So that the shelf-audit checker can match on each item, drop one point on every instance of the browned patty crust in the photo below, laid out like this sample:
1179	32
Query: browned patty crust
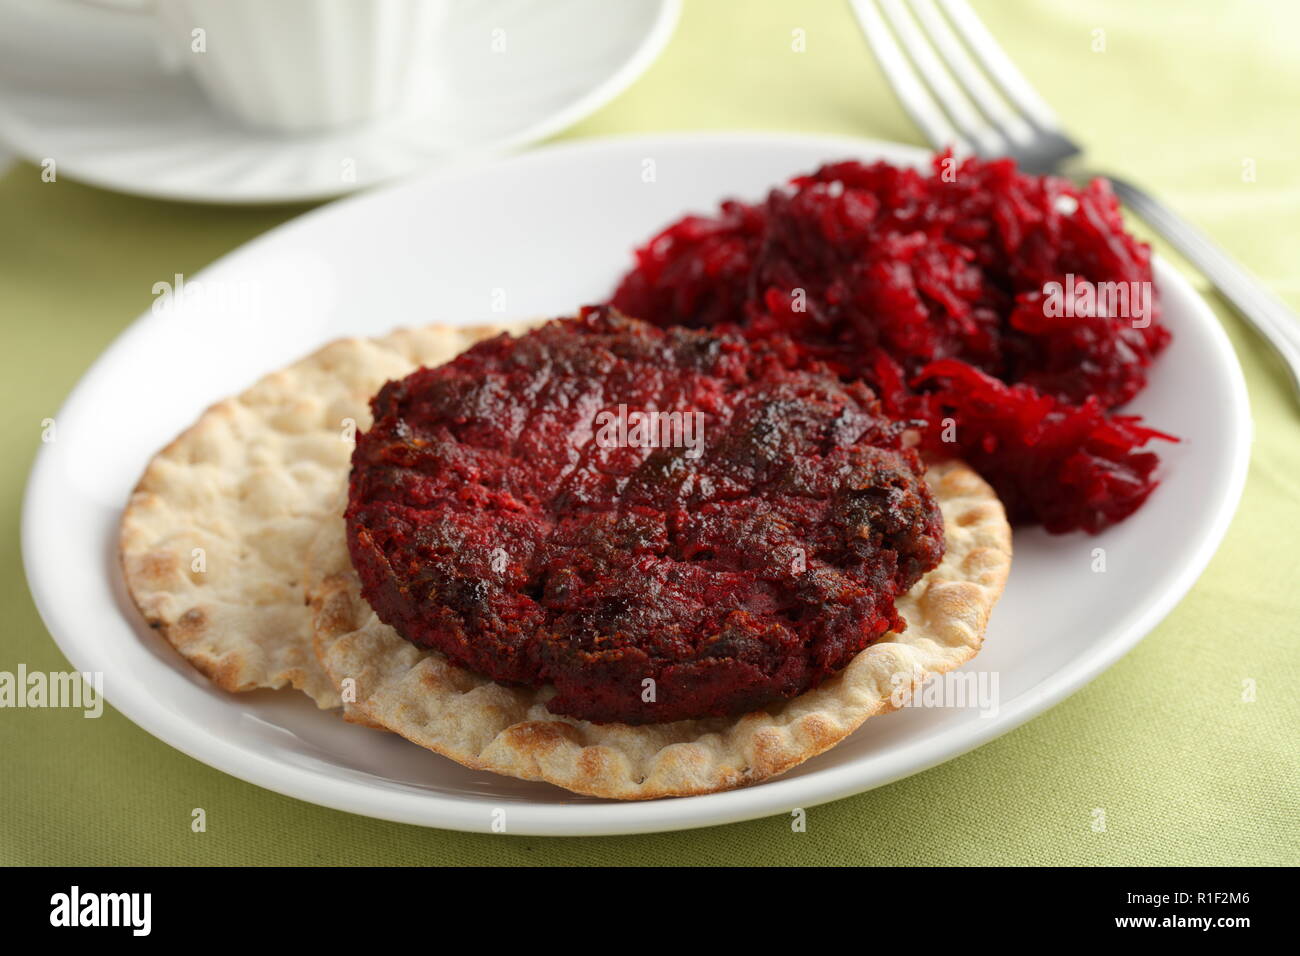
498	514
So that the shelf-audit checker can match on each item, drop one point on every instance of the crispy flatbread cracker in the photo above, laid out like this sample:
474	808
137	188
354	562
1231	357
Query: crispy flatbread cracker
214	537
391	684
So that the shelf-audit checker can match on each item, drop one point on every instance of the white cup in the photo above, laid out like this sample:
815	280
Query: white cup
300	65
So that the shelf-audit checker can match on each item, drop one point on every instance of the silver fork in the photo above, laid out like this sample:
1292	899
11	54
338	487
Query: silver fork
950	88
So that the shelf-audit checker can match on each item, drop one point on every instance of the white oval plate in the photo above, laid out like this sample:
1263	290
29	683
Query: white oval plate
543	233
87	88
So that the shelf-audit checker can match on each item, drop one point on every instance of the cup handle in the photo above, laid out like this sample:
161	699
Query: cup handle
121	6
166	57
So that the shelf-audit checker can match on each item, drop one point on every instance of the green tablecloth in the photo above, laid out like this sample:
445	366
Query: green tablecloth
1187	772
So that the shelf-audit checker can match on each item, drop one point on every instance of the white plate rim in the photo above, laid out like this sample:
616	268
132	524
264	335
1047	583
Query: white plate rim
772	797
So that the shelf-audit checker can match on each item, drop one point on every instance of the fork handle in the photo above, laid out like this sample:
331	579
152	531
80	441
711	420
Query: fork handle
1267	314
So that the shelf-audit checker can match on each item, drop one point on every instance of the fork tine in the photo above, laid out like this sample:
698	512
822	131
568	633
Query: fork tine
916	100
954	102
1019	91
973	80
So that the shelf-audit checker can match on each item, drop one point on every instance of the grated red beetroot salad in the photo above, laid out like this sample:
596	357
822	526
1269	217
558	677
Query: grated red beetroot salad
932	292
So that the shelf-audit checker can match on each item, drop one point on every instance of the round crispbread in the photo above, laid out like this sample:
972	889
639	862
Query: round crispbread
214	537
389	683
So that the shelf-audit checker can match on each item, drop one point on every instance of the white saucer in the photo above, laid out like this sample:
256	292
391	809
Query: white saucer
85	87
